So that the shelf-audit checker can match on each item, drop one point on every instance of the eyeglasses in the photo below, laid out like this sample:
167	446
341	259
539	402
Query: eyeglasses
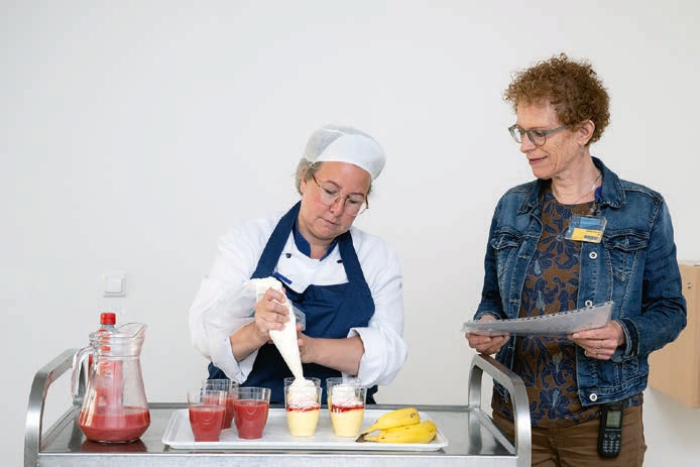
354	205
538	137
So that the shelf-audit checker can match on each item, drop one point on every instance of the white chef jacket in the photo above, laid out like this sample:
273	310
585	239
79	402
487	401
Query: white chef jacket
223	304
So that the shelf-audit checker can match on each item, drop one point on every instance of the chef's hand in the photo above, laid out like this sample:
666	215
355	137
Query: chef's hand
488	345
600	343
306	346
270	313
342	354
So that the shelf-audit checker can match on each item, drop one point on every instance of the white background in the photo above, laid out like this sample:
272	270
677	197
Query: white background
134	133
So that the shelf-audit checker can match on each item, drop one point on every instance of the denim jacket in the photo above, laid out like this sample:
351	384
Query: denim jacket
634	266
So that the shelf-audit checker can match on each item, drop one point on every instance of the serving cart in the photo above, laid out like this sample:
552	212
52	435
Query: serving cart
468	435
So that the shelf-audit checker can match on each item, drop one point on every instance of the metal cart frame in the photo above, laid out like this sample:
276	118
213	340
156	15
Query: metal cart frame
473	437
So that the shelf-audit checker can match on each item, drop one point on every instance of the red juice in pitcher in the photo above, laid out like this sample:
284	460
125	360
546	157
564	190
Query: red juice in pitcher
114	407
114	426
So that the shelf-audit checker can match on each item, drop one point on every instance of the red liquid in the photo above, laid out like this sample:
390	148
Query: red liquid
118	425
228	417
250	416
206	422
302	409
342	408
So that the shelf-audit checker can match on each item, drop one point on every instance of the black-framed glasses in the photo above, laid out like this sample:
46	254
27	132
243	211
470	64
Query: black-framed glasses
353	205
538	137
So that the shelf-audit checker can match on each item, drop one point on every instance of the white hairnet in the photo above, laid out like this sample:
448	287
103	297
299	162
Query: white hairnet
335	143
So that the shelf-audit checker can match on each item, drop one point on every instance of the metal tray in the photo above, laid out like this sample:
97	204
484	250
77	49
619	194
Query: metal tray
178	435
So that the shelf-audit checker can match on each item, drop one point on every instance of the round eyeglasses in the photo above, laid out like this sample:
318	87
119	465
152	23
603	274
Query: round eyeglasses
352	205
537	137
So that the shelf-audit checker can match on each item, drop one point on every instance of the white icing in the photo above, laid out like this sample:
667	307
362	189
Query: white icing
343	395
302	393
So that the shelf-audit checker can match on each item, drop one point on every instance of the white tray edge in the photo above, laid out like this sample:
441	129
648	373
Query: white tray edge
178	435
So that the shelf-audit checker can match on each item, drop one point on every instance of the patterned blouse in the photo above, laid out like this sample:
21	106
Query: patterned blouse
548	365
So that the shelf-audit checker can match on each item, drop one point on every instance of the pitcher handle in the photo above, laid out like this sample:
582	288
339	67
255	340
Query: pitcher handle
78	360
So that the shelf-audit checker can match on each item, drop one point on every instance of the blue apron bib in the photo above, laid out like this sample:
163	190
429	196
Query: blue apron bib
330	312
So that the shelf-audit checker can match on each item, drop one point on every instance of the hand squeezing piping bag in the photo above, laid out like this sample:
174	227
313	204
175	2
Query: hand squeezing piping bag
286	339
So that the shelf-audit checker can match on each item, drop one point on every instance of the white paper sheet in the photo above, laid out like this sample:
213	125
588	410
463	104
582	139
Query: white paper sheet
559	324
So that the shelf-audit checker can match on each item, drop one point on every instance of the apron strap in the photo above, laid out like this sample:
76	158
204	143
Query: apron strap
275	245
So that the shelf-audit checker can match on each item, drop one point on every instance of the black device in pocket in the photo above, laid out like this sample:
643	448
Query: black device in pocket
610	433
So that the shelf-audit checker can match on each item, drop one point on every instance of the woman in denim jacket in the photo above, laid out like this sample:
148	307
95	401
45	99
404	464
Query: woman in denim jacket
537	264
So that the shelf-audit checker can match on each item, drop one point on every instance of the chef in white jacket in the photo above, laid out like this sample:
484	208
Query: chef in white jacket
347	282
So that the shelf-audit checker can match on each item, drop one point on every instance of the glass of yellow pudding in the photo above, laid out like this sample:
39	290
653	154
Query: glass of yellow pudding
346	404
302	402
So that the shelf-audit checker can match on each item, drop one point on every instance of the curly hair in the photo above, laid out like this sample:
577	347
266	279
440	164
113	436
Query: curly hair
573	88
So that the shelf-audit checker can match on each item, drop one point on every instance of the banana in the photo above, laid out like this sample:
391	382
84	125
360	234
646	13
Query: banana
420	433
395	419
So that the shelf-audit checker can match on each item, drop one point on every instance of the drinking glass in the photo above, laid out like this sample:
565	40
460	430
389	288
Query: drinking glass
346	405
302	403
207	409
227	386
251	406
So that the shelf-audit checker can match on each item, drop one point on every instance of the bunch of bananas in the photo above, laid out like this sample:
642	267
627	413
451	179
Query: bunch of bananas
400	426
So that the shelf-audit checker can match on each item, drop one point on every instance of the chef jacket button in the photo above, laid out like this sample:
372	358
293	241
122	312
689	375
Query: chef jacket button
588	303
593	397
288	255
593	255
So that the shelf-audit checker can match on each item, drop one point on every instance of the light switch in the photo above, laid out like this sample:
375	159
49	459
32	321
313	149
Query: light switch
114	284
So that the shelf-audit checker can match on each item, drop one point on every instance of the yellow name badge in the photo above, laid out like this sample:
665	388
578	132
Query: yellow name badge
586	229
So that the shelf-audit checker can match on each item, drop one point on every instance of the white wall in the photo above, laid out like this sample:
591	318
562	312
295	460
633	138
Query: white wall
134	133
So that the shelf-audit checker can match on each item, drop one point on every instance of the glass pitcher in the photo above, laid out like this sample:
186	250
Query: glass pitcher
114	408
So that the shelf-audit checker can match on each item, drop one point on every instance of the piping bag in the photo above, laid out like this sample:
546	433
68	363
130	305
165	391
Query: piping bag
286	339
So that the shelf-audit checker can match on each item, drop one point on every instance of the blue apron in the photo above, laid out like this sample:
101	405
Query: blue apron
330	312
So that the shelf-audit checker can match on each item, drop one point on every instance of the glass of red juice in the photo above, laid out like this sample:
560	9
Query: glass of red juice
227	386
207	408
250	408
